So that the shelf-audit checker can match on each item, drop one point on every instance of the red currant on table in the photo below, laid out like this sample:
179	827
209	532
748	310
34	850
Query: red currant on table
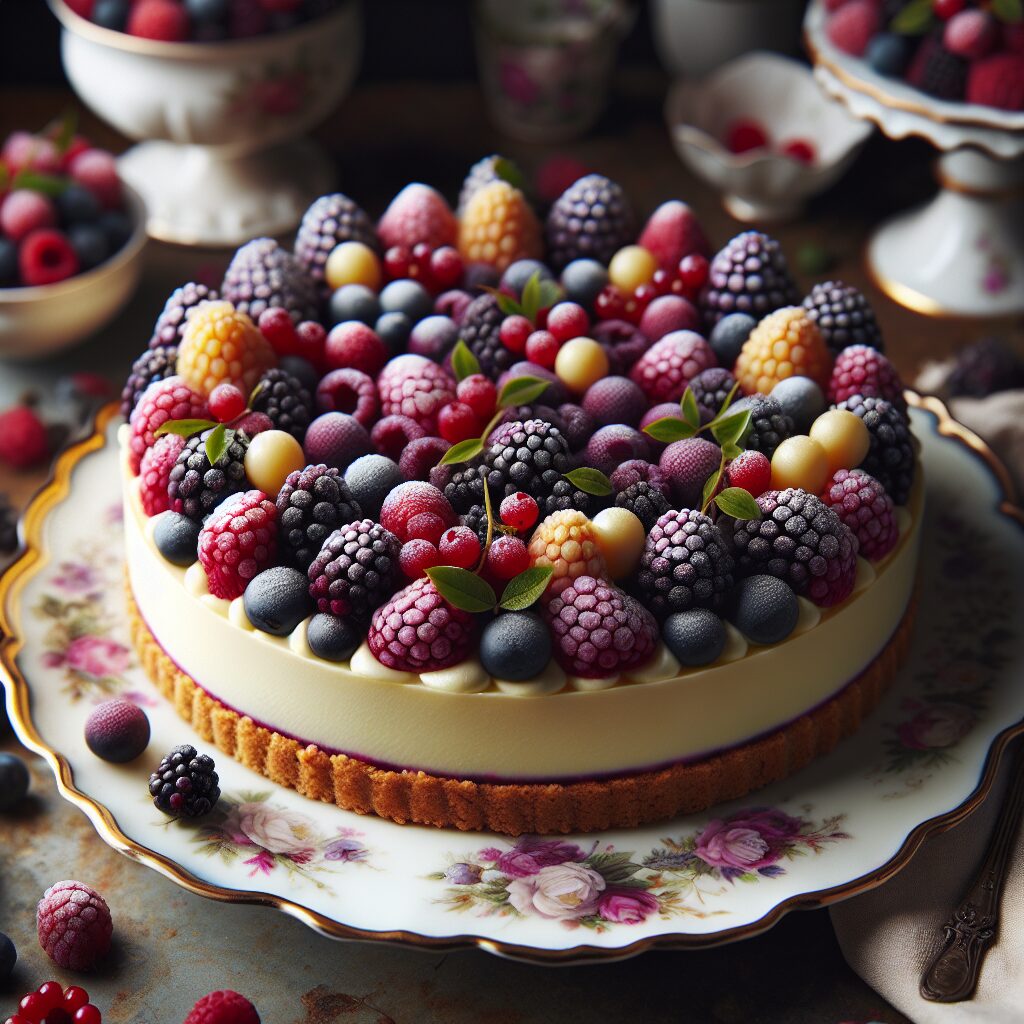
87	1015
744	135
226	402
75	998
396	261
800	150
457	422
507	557
479	393
50	1004
446	267
514	331
542	348
610	303
568	320
945	9
518	510
460	546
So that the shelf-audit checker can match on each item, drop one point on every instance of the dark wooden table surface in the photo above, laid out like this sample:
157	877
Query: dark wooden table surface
170	940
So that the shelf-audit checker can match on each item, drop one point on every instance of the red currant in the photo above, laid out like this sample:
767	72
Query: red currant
519	511
800	150
632	310
416	557
426	526
644	294
568	320
514	331
51	993
507	557
662	281
276	326
446	267
610	303
693	272
479	393
945	9
750	470
542	348
459	546
88	1014
75	998
457	422
396	261
419	264
312	337
226	402
32	1006
744	135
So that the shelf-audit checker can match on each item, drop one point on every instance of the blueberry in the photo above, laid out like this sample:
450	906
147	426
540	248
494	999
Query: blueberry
117	226
695	637
408	297
331	638
8	263
354	302
371	478
516	276
515	646
277	600
90	244
111	14
764	609
887	54
301	368
76	204
207	10
583	280
800	398
8	958
433	337
393	329
176	538
728	336
14	781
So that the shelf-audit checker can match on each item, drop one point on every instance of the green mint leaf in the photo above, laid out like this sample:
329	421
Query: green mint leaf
732	427
1010	11
691	412
464	363
462	452
669	429
218	443
462	589
531	297
738	503
522	391
508	170
710	486
591	480
915	19
730	450
63	131
728	400
526	588
550	293
507	304
47	184
184	428
813	259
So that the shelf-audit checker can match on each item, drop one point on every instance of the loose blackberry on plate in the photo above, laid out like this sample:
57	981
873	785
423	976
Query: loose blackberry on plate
185	784
312	504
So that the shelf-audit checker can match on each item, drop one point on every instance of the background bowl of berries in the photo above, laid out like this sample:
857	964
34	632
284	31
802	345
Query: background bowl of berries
760	130
219	96
71	241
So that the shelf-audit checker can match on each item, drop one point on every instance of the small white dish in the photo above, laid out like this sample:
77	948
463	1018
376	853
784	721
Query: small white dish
41	320
763	185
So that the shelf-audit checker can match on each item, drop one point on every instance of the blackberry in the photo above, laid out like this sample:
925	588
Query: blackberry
984	368
685	564
592	219
354	572
769	425
331	220
890	458
170	324
185	784
154	364
749	275
196	488
262	274
937	71
8	526
476	519
575	423
311	505
286	400
464	488
479	330
844	316
800	540
647	503
533	457
712	387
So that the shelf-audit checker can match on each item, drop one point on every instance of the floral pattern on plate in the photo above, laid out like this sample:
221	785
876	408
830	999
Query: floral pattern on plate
595	885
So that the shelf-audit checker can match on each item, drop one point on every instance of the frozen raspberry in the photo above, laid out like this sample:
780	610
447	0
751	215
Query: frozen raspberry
24	150
46	257
155	472
615	400
393	434
158	19
24	211
852	26
409	500
997	81
597	629
519	511
860	370
666	368
354	344
349	391
74	925
413	386
612	445
418	631
421	457
23	440
686	465
224	1007
863	504
418	214
624	343
238	541
164	400
566	542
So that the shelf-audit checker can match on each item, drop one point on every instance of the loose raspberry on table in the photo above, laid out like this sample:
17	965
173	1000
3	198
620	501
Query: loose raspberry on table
597	629
418	631
860	370
223	1007
162	401
413	386
74	925
862	503
155	472
668	366
355	570
238	541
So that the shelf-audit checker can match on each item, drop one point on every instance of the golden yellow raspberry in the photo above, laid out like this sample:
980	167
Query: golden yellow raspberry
786	343
567	542
222	346
498	227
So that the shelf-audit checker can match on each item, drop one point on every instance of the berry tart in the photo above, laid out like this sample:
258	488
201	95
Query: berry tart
495	521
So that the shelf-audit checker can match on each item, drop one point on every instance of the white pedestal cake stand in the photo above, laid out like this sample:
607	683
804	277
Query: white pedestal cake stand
962	254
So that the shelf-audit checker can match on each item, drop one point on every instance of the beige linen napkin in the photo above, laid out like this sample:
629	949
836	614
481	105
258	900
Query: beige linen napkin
889	934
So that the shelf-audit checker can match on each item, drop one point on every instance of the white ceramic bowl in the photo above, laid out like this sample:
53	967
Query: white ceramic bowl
222	158
763	185
37	321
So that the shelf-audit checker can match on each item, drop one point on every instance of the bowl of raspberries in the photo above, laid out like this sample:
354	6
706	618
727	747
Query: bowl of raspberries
218	94
71	240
